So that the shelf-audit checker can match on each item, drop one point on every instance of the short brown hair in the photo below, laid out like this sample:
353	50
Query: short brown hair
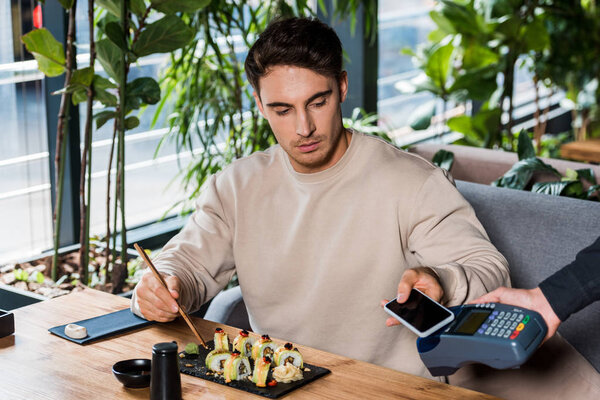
301	42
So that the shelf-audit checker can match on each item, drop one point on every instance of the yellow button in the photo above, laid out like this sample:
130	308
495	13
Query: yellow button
520	327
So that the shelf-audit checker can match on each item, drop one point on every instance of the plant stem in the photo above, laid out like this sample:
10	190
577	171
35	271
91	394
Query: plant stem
62	134
110	161
509	75
122	111
84	231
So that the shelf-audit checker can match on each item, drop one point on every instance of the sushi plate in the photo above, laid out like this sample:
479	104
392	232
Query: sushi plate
195	366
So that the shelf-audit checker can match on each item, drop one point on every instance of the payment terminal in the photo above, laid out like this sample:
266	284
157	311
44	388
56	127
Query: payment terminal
498	335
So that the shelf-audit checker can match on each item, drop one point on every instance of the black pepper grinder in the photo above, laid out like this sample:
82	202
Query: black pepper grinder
165	382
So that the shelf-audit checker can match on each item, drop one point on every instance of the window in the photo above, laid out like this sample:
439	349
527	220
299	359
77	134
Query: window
25	205
401	24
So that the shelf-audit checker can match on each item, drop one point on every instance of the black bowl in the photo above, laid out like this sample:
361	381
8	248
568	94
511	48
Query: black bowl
133	373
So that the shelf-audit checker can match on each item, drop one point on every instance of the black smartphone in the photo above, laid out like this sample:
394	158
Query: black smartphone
420	313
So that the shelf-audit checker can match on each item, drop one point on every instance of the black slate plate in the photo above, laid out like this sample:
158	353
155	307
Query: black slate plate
105	326
199	370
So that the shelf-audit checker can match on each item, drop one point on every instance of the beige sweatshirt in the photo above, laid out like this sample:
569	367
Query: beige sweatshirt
316	253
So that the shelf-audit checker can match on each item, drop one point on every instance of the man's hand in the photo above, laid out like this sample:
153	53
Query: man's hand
156	303
421	278
532	299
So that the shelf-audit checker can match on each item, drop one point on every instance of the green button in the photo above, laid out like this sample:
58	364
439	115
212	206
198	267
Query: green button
526	319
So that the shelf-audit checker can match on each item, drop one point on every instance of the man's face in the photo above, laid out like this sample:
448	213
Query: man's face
303	110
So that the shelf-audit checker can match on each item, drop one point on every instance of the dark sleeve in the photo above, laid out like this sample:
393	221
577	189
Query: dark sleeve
576	285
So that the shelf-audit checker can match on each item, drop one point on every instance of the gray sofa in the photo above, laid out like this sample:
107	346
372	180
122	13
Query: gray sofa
538	234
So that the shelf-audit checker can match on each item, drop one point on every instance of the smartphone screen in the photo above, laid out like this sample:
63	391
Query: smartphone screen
420	313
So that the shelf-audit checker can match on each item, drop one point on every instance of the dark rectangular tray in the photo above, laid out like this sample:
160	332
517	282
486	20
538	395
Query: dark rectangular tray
272	392
105	326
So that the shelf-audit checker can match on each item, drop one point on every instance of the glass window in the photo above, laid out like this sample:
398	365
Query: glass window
25	205
401	24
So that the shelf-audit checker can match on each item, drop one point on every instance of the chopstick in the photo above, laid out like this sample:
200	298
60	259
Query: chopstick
158	276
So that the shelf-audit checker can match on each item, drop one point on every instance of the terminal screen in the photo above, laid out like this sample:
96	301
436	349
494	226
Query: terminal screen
470	323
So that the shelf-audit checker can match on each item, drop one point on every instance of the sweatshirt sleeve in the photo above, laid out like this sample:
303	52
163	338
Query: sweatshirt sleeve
576	285
446	236
201	254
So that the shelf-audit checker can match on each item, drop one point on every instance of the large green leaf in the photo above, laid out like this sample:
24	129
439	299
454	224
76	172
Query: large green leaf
115	33
112	6
165	35
487	124
438	65
461	124
521	172
48	52
551	188
587	174
575	189
101	85
496	8
442	22
138	7
79	96
509	27
146	89
83	76
109	56
79	84
525	146
536	36
477	56
421	118
477	84
101	82
103	117
463	18
443	159
132	122
106	98
173	6
480	128
81	79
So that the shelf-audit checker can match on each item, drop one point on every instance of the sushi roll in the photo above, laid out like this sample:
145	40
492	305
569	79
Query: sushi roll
215	360
236	368
221	340
261	371
263	347
288	354
243	343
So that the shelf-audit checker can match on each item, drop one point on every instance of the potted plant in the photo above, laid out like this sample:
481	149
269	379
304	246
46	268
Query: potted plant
120	33
473	54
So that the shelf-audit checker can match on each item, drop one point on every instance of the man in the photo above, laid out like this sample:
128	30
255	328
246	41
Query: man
320	227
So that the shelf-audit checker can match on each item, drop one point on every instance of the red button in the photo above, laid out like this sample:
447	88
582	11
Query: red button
515	334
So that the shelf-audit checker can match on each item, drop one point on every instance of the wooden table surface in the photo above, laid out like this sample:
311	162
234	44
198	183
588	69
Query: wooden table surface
583	150
35	364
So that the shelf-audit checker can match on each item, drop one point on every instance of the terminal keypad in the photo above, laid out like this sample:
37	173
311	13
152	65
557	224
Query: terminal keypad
507	325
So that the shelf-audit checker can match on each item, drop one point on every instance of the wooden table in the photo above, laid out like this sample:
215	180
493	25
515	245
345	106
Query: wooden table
35	364
583	150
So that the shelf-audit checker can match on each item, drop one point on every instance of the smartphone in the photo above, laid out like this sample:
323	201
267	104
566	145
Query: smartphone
420	313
